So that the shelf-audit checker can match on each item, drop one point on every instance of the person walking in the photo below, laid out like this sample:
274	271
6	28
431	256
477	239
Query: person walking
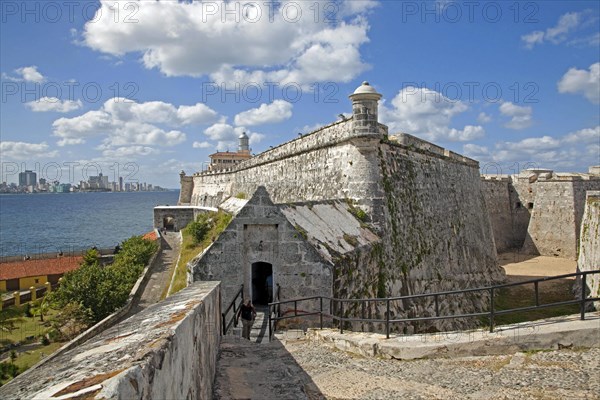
248	313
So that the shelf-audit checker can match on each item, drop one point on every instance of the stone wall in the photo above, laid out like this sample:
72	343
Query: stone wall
331	163
261	233
538	214
167	351
438	235
589	251
181	215
187	187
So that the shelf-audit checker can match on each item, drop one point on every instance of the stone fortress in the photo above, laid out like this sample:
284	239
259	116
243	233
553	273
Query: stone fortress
538	211
349	211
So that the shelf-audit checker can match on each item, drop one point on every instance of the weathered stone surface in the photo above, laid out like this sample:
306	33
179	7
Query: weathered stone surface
424	224
260	232
540	335
167	351
589	250
538	211
179	216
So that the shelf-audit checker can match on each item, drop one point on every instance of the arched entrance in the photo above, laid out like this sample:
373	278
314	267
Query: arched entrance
262	283
169	223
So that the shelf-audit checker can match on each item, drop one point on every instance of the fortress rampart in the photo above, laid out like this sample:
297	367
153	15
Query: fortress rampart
422	203
538	212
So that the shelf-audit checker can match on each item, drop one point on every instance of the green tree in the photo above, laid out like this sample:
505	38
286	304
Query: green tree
102	290
199	228
40	307
9	317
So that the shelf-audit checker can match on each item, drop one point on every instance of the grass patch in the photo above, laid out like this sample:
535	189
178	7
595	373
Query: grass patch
27	332
193	244
26	327
524	296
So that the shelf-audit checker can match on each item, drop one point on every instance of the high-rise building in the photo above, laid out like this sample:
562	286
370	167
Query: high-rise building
27	178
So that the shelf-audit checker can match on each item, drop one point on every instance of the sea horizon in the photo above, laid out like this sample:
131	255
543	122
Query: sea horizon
32	225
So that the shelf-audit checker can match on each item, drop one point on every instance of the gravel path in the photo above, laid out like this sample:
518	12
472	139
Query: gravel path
561	374
301	369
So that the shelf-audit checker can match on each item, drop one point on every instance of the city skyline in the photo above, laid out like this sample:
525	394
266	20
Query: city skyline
29	183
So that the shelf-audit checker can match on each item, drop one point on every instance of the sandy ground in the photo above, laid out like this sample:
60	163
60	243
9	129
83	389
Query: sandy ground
525	265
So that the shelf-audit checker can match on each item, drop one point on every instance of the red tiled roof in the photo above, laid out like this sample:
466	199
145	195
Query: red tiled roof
150	236
49	266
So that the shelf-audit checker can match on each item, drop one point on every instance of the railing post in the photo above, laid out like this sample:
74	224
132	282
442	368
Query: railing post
270	331
387	319
341	316
321	312
491	309
583	287
437	305
224	324
295	308
537	293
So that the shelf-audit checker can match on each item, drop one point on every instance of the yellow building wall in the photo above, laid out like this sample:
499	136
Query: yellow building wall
2	286
26	283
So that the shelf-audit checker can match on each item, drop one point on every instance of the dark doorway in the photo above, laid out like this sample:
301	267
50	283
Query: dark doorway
169	223
262	283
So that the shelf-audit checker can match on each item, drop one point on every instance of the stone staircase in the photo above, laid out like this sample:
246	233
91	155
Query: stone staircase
260	329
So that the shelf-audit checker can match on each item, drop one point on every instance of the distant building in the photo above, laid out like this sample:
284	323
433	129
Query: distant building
98	182
27	178
21	275
226	160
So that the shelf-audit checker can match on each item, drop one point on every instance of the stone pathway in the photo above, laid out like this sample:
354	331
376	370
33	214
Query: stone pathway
260	329
249	370
160	275
301	369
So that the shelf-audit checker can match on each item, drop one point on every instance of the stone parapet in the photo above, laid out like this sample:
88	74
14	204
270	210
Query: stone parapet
167	351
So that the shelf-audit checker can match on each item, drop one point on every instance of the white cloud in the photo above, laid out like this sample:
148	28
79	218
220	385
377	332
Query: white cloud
125	122
267	42
483	118
582	81
25	151
201	145
227	136
54	104
567	24
588	135
575	149
428	114
277	111
520	117
129	152
30	74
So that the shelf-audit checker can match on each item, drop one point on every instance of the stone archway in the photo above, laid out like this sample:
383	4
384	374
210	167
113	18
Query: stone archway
169	223
262	283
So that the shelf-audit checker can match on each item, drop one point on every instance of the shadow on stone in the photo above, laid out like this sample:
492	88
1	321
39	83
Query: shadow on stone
248	370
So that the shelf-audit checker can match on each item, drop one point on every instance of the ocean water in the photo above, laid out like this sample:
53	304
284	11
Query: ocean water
53	222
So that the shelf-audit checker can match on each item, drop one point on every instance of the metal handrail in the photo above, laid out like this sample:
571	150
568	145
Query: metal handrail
233	320
491	314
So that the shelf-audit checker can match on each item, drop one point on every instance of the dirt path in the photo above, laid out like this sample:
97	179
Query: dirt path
516	264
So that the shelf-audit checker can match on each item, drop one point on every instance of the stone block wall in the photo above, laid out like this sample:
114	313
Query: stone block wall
589	251
497	196
438	235
538	215
167	351
332	163
261	233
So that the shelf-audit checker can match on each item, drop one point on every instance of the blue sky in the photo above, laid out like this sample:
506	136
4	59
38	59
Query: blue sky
146	89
